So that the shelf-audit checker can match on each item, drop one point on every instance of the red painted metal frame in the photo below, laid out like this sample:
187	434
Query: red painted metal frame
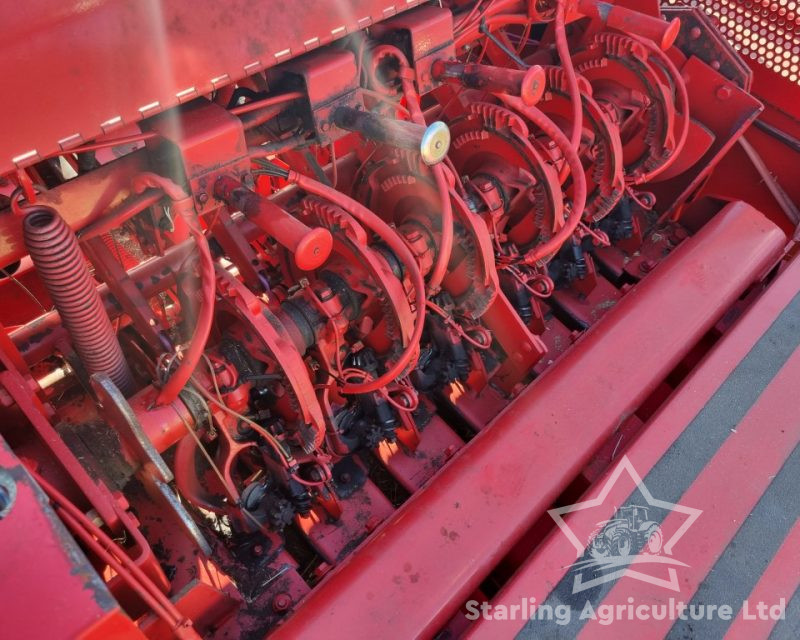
115	63
439	547
98	69
66	585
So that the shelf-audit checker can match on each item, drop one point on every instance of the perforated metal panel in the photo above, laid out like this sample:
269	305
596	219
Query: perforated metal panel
767	31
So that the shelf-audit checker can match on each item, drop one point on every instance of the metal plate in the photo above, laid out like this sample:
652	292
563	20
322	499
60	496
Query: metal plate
79	69
727	444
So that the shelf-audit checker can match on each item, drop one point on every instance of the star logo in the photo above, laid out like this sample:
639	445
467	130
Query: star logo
632	537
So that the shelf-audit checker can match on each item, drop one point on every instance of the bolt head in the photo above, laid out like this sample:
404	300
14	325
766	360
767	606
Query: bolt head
646	266
281	602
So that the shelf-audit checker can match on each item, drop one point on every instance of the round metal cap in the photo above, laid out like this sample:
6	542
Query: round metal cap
313	249
533	85
435	143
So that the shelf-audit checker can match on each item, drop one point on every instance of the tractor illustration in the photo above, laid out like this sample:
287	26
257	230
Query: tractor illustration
629	531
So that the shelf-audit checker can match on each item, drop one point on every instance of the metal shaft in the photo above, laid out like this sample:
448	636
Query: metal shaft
432	141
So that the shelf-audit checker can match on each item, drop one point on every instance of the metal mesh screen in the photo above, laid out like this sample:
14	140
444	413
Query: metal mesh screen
767	31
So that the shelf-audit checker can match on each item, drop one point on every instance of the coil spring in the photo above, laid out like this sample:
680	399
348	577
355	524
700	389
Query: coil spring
59	261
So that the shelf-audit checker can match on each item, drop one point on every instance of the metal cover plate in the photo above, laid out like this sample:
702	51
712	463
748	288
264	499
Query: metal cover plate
77	70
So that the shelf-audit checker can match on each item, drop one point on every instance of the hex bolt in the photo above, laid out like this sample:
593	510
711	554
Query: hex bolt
646	266
281	602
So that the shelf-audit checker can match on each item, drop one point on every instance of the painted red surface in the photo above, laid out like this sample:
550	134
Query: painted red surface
325	389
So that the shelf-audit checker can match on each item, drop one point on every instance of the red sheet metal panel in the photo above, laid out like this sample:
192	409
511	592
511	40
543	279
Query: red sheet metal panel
46	577
75	70
727	489
446	539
